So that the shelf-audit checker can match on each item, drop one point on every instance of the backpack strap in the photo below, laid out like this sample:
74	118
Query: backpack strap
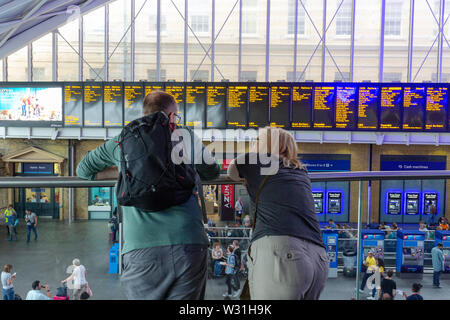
255	208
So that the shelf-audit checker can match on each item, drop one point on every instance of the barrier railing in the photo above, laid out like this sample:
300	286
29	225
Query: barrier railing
74	182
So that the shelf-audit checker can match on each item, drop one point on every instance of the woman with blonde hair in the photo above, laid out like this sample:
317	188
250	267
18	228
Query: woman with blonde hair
287	257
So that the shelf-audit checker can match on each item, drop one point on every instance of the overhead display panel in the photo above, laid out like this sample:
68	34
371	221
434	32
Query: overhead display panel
195	105
153	86
73	104
93	105
216	106
237	106
323	107
133	98
390	107
436	108
178	93
113	111
345	114
368	107
280	98
302	101
413	107
258	106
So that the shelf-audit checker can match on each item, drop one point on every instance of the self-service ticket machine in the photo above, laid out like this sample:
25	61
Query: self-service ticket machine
330	239
443	237
372	240
410	251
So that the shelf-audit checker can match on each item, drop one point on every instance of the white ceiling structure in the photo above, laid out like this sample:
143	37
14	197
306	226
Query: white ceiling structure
23	21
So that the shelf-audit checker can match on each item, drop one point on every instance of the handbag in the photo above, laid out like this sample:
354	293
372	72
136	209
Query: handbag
88	290
245	293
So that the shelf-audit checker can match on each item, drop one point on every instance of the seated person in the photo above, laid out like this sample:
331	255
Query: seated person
36	293
217	256
372	224
443	224
331	225
98	201
415	292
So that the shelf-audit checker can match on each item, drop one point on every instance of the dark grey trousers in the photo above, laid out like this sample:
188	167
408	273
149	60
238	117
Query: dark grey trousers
176	272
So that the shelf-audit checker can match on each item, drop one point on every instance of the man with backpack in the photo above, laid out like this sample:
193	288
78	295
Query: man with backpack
165	244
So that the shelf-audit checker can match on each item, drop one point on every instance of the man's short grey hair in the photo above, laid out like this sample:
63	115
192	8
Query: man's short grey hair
76	262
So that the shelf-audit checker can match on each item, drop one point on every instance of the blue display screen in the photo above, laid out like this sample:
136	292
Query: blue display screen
345	115
436	109
368	107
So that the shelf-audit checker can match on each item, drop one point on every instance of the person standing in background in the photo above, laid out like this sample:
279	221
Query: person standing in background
79	279
239	208
8	282
31	221
8	212
437	257
12	223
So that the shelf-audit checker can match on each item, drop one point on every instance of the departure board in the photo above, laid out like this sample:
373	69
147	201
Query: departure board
368	107
436	109
216	106
195	106
390	108
302	98
413	107
280	97
177	91
113	97
133	98
93	104
345	115
150	87
258	106
323	107
73	105
237	106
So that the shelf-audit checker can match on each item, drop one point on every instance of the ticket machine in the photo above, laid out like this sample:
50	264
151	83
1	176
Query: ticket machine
410	251
330	239
372	240
443	237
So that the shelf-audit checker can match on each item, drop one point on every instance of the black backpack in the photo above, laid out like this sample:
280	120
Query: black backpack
148	179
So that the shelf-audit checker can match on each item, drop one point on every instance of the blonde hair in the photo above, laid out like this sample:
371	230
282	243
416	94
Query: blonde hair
287	147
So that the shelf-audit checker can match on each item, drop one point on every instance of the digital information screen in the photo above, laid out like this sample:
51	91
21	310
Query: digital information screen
368	107
258	106
177	91
394	205
334	202
195	106
412	203
323	107
318	202
345	116
280	97
413	108
133	98
430	203
302	101
237	106
390	108
436	109
73	105
93	105
216	106
149	88
113	97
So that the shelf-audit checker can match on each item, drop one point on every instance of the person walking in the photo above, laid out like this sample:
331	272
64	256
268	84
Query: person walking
12	224
370	264
175	230
238	209
79	279
8	282
114	221
230	272
31	221
437	258
8	212
291	263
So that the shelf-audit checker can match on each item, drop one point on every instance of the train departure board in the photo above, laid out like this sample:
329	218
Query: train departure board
390	107
216	106
436	108
323	107
368	107
258	106
93	104
150	87
73	105
133	98
301	107
177	91
112	101
195	106
345	114
280	97
413	107
237	106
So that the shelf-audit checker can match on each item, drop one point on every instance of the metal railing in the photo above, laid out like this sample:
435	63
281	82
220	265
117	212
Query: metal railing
75	182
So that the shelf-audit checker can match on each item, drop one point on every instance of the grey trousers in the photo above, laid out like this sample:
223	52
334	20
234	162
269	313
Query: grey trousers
286	268
176	272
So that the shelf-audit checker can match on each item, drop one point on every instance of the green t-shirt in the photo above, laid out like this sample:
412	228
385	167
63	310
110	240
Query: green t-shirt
180	224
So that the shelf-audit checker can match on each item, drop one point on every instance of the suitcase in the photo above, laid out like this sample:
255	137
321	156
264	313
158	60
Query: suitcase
60	298
110	236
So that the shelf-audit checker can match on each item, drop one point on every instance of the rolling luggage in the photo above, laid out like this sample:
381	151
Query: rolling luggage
110	236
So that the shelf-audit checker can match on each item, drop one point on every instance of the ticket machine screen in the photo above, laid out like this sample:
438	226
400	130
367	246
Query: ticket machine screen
334	202
413	256
446	259
394	204
318	202
332	249
412	203
430	203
